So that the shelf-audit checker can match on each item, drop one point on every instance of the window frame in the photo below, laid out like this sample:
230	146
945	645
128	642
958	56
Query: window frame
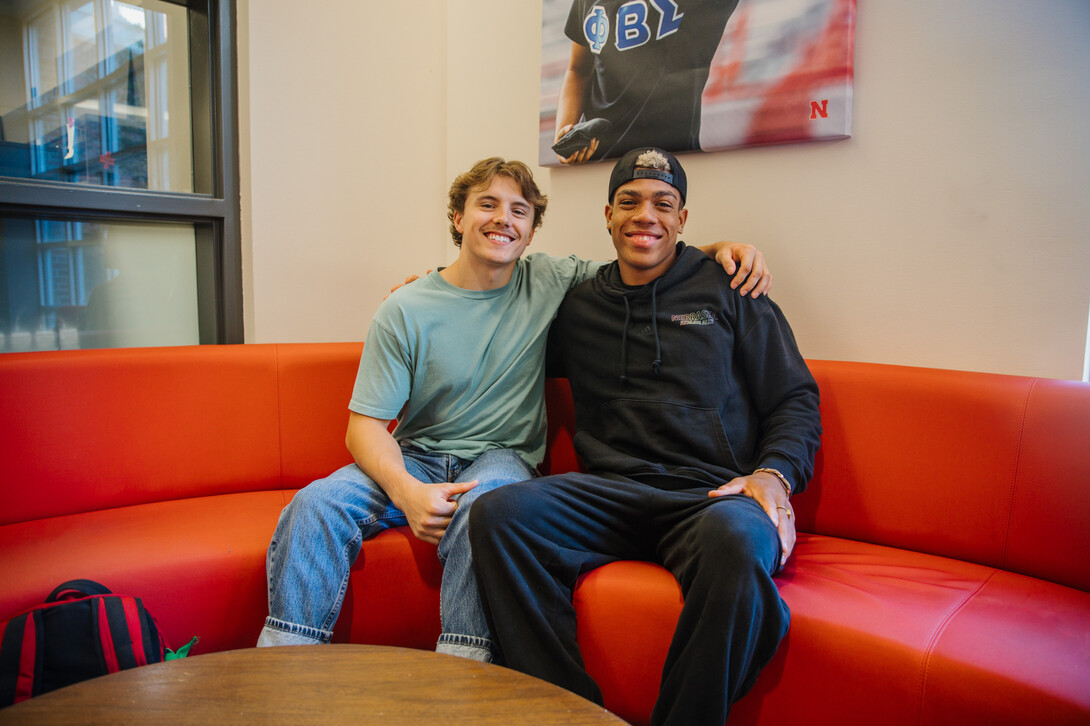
214	208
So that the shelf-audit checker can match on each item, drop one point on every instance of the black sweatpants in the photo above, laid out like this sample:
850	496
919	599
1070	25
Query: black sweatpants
533	539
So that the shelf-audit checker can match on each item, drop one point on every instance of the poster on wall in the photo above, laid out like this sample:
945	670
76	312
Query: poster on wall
692	75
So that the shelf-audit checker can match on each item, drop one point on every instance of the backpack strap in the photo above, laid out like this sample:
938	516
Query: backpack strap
20	659
121	632
77	588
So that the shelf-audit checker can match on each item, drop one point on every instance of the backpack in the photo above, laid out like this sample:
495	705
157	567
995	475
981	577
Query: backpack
82	630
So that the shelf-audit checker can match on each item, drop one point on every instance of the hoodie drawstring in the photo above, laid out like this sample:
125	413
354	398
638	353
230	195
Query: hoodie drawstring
656	365
624	340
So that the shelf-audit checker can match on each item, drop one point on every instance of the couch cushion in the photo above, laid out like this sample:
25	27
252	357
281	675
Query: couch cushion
199	564
1017	638
1049	526
93	429
315	385
912	429
981	467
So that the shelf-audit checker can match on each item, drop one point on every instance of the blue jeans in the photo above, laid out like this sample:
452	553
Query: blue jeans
321	531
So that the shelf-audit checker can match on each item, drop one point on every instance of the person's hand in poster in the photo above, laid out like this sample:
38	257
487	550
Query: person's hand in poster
583	152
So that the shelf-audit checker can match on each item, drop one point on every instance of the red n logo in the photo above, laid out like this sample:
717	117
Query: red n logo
819	110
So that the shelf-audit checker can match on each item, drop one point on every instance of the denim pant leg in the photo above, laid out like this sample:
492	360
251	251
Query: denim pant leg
316	541
464	628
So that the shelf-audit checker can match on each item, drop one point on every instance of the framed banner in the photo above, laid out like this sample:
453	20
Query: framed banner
689	75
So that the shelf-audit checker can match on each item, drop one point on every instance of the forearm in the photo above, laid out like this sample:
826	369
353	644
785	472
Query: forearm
378	454
723	251
713	249
427	506
785	398
569	108
790	420
792	436
574	88
744	263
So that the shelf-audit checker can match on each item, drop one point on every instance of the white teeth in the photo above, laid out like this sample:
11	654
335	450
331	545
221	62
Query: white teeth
499	238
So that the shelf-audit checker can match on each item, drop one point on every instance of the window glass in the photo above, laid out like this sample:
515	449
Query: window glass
96	92
89	284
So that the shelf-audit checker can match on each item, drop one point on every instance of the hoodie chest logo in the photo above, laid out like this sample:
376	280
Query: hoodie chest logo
700	317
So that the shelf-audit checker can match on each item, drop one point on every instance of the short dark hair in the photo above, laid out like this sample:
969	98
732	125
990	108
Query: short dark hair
481	176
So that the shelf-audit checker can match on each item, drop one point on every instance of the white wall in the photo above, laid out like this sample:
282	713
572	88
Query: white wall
951	230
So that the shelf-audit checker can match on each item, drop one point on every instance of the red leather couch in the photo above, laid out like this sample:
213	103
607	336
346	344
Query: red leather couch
940	575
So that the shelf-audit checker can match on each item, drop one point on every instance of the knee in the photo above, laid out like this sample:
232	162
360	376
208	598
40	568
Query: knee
481	514
752	542
506	463
491	510
317	503
745	545
313	497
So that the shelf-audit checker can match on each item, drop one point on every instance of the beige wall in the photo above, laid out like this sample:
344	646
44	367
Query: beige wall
951	230
344	136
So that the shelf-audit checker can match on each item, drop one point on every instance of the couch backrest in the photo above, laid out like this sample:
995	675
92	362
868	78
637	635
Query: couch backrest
987	468
95	429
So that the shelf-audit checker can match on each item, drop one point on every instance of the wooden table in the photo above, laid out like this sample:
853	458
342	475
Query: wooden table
329	684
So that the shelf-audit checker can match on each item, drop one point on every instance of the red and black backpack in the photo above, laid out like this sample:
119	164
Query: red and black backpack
82	630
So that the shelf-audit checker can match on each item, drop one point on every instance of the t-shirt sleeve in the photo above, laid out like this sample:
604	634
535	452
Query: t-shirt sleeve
384	377
571	269
585	270
573	27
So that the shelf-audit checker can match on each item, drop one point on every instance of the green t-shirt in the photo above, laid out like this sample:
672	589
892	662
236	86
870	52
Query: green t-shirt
463	370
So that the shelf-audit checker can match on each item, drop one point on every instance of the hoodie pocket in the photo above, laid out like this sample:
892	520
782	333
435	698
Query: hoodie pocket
667	433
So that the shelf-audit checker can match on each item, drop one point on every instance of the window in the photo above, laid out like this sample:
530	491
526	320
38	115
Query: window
119	221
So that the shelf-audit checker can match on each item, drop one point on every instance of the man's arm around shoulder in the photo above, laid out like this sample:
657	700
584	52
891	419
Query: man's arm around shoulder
745	263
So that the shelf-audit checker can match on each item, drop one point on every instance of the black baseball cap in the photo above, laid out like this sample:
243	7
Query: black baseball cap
627	169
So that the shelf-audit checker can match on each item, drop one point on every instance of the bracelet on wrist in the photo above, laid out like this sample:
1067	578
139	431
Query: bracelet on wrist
778	475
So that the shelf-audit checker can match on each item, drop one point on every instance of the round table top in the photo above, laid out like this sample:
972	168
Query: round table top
321	684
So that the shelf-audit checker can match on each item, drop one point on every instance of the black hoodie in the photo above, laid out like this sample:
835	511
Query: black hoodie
683	382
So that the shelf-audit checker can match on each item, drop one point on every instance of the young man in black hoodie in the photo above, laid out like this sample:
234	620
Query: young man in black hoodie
696	418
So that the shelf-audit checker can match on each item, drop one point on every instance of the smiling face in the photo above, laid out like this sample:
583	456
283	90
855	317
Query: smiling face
644	220
496	225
